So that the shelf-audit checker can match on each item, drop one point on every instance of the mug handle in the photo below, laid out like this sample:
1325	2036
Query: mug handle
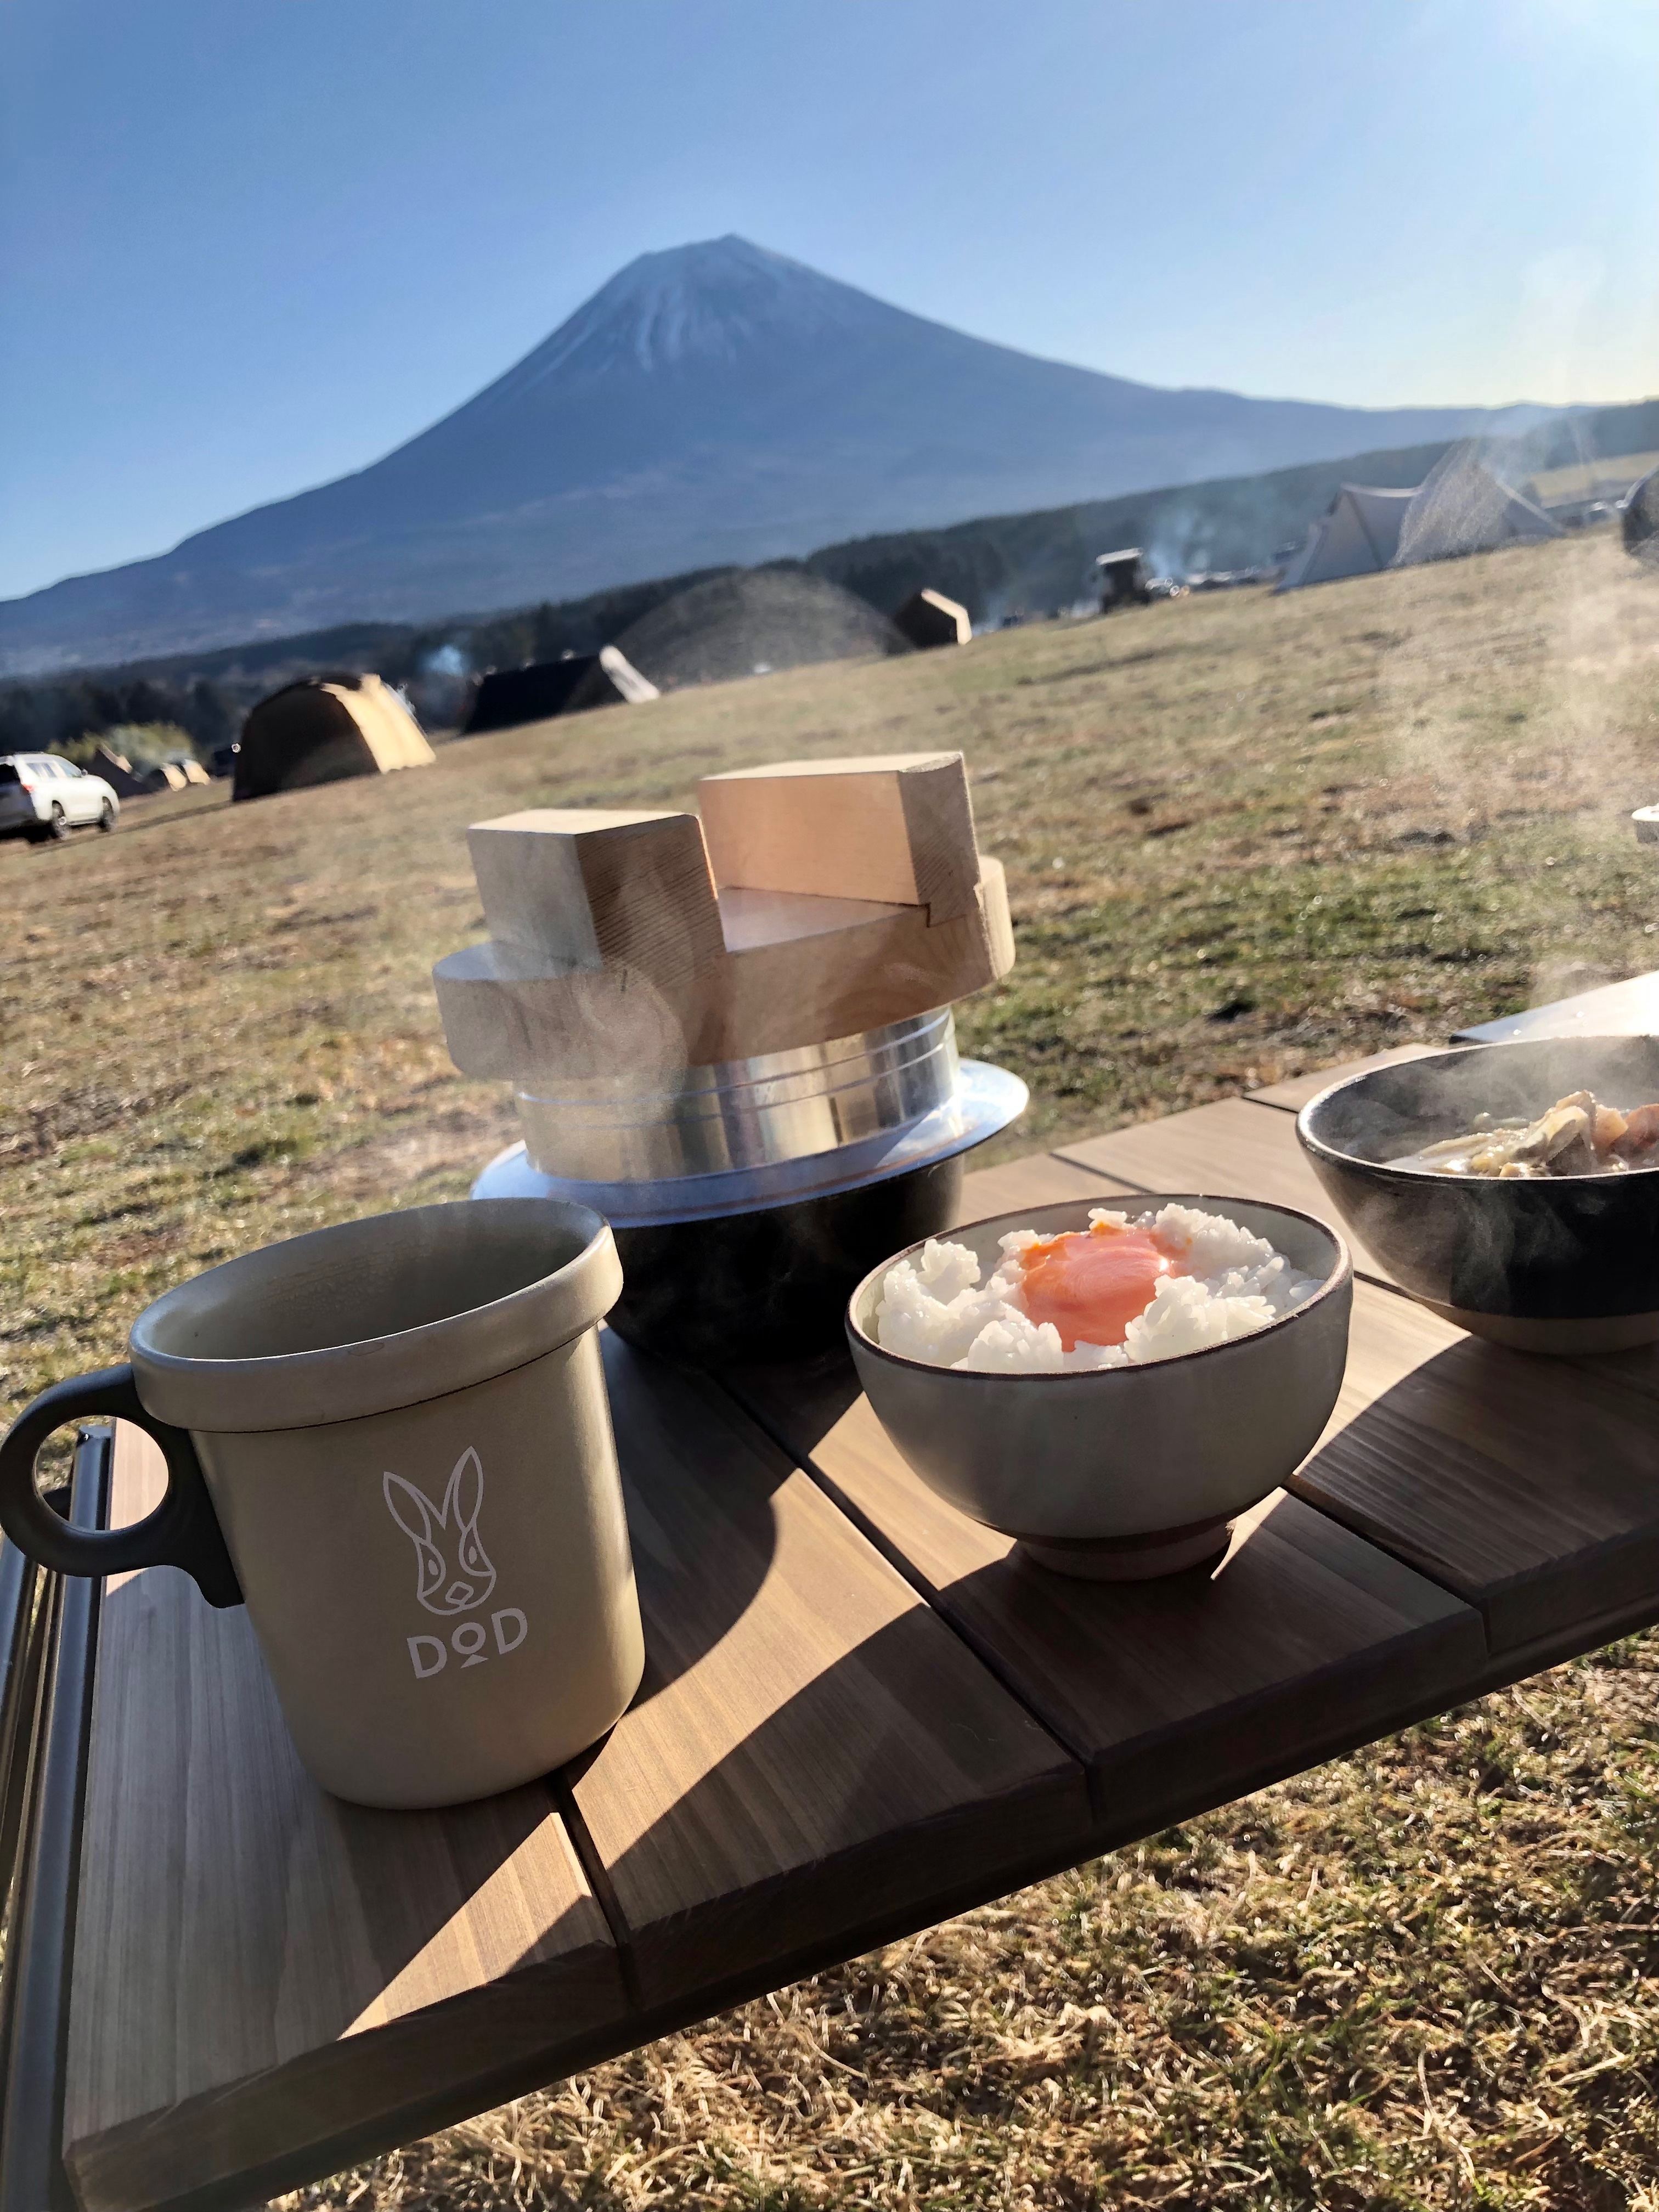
182	1531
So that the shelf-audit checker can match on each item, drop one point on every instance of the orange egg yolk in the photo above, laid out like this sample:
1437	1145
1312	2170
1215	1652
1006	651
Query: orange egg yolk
1093	1283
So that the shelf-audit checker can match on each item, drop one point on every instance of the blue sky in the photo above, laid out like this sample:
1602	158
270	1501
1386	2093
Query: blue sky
248	245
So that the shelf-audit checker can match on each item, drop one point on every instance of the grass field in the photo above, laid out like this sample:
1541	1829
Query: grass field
1245	836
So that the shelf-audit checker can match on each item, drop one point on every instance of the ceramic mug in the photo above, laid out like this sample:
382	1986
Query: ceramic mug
391	1441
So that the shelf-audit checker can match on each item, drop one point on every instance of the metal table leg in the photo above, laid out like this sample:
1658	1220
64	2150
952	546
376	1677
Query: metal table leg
23	1634
34	1999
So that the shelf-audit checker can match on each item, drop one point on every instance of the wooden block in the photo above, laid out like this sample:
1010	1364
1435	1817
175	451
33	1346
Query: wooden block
590	888
508	1012
1179	1694
806	989
1234	1149
812	1755
751	918
1294	1093
897	828
262	1976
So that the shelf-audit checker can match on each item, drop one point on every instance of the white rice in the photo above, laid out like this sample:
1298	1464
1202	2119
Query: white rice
936	1310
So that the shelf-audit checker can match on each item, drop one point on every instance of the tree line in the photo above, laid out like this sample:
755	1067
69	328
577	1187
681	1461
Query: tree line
52	714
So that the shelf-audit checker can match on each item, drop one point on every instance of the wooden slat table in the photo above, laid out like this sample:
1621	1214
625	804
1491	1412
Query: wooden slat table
860	1714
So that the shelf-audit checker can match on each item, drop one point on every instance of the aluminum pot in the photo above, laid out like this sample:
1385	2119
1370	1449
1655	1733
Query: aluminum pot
756	1263
743	1115
771	1283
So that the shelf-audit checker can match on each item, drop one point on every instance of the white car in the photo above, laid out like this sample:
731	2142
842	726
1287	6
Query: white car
43	795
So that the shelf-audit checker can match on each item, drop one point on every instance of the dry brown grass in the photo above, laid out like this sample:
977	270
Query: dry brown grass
1245	836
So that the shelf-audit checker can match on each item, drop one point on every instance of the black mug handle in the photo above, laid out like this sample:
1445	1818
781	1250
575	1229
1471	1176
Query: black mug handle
183	1530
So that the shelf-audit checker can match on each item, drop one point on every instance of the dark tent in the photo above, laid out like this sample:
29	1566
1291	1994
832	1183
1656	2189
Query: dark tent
1638	517
507	697
118	773
929	619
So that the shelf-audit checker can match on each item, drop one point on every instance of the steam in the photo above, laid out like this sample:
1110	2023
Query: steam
441	690
1566	653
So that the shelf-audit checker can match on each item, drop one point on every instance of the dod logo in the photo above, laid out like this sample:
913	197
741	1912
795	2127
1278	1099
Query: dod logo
443	1534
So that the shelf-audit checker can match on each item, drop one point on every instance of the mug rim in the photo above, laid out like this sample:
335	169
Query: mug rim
327	1383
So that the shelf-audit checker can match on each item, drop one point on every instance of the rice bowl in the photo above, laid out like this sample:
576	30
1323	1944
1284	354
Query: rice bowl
1123	1471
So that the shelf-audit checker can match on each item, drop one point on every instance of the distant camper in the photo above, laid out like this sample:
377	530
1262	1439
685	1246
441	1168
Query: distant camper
928	618
129	782
323	729
1638	519
1123	581
118	772
508	697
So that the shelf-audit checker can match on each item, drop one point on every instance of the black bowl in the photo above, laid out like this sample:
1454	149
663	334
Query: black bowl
772	1283
1567	1265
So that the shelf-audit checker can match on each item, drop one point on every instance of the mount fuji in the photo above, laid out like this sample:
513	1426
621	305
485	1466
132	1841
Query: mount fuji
710	404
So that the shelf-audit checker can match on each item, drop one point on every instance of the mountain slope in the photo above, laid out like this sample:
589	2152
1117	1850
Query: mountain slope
713	403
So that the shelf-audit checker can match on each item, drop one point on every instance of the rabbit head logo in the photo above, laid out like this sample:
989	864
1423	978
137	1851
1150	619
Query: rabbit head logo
453	1571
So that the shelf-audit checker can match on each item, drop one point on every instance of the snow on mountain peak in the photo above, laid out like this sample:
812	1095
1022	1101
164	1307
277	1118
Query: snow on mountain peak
708	302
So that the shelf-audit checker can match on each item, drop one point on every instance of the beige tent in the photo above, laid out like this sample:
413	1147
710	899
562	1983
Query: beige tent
325	728
1357	534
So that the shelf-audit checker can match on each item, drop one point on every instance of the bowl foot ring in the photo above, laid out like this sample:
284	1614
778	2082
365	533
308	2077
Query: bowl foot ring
1130	1558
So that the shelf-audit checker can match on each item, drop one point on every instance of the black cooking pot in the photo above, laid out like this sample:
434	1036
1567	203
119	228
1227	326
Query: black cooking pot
772	1283
1569	1264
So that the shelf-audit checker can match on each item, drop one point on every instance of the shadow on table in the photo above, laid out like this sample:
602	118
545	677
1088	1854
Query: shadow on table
698	1481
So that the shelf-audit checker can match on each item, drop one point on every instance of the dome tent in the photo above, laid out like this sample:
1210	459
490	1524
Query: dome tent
325	728
1463	507
750	621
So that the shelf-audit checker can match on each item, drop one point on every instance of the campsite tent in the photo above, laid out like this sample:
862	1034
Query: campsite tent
507	697
129	782
118	772
323	728
1357	535
1638	519
927	618
751	621
1460	506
